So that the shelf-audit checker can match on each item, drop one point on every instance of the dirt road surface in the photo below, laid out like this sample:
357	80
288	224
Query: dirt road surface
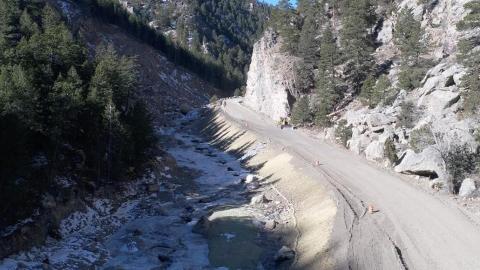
411	230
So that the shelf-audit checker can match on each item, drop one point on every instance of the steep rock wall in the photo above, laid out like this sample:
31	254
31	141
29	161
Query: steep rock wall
271	78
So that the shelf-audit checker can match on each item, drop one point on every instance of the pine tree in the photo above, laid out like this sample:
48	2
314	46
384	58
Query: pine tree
195	43
308	46
374	91
408	38
114	79
44	83
408	35
326	88
471	21
163	15
357	44
469	54
301	111
304	6
50	18
68	91
391	151
383	88
28	26
286	22
141	134
9	28
368	94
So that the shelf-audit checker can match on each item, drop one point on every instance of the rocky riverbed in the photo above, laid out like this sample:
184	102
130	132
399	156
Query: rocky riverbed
204	211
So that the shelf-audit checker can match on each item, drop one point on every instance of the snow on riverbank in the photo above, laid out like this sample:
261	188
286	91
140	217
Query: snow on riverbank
147	230
218	168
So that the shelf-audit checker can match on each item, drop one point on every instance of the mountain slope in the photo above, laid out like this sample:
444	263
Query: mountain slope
411	107
222	32
96	98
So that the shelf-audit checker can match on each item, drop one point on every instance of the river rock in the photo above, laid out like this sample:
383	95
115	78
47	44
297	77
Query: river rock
467	188
285	254
250	178
270	224
185	108
253	186
259	199
202	225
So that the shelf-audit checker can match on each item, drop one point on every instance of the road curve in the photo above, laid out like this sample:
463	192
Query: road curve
412	230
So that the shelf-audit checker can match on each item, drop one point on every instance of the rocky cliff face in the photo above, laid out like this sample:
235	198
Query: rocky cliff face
271	78
436	123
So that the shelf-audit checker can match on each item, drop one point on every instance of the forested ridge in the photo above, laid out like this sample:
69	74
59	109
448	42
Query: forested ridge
62	115
212	38
68	114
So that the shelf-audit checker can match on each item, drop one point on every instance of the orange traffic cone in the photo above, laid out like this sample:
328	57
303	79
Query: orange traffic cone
371	209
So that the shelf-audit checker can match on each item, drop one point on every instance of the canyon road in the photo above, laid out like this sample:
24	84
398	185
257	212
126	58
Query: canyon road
411	230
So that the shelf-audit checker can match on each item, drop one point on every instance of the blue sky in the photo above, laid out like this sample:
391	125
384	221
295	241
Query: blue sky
274	2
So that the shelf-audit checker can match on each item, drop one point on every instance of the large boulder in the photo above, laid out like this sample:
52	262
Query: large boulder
456	131
467	188
375	151
437	101
379	119
271	78
440	84
428	163
357	144
259	199
355	116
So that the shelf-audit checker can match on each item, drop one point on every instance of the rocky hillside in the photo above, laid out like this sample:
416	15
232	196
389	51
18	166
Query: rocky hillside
425	128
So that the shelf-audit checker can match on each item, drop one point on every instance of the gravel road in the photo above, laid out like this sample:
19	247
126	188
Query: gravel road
411	230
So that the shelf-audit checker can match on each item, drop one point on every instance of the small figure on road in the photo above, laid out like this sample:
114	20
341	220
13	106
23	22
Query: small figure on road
283	122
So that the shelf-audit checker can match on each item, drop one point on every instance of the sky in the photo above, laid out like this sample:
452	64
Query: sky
274	2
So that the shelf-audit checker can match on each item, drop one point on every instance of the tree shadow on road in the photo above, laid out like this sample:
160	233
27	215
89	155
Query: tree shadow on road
236	141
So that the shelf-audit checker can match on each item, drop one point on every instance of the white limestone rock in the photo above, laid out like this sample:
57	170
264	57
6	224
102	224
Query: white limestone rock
467	188
375	151
271	78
